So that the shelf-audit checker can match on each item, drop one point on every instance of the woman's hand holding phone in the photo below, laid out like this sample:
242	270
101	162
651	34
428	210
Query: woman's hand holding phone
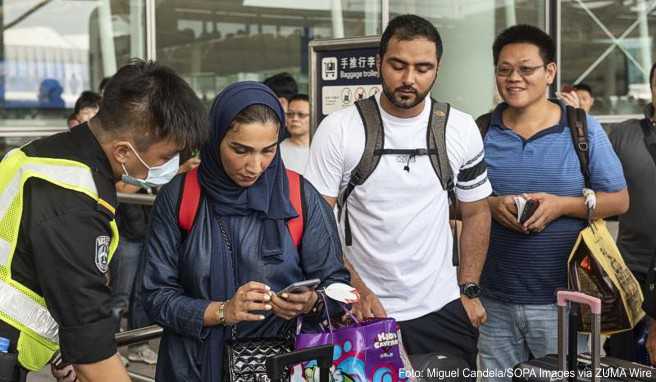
297	298
289	305
250	299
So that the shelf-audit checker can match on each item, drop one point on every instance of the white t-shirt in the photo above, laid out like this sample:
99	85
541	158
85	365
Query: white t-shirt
402	242
294	156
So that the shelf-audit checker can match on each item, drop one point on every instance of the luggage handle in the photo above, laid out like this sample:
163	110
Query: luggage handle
563	297
322	354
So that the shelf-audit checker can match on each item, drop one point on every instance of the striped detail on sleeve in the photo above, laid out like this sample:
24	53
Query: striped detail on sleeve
473	173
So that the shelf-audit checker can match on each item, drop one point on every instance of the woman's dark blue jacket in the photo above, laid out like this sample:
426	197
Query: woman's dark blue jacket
176	276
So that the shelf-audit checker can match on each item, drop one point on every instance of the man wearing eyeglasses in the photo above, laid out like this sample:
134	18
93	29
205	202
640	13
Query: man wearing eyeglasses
529	153
296	148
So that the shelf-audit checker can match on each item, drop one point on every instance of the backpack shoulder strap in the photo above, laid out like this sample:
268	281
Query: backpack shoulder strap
439	157
374	144
189	200
296	224
483	123
374	139
436	142
578	126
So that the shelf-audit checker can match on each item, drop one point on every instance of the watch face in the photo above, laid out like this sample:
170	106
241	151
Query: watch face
472	290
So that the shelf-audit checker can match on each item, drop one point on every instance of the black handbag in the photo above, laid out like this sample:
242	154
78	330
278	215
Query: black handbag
245	359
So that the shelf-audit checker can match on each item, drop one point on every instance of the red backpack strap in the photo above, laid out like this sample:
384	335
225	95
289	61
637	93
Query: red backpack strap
295	225
189	200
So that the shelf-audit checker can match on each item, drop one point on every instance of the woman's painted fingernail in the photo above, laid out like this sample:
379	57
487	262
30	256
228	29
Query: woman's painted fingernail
267	307
284	295
267	287
261	317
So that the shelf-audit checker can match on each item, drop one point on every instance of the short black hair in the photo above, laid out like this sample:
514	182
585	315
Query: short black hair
300	97
87	99
150	102
410	27
528	34
283	84
103	84
652	73
583	86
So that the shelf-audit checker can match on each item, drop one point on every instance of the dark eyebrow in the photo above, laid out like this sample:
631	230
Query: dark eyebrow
249	148
397	60
400	61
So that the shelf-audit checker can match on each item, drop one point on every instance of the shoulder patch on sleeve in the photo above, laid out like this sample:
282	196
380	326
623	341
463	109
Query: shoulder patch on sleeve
102	253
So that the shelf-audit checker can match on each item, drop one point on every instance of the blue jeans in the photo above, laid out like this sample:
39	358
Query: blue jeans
513	333
127	275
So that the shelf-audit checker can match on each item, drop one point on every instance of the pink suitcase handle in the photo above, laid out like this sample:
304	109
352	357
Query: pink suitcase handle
565	296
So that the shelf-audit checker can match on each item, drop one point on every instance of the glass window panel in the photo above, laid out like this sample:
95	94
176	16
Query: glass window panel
213	43
608	45
468	29
50	51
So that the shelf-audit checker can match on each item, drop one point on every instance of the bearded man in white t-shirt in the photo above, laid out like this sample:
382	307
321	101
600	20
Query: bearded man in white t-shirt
401	253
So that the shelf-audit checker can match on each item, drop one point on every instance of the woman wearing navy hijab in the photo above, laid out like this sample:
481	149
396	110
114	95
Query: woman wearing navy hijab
239	250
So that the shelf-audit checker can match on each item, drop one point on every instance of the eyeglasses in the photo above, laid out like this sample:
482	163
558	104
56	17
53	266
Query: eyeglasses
292	114
524	71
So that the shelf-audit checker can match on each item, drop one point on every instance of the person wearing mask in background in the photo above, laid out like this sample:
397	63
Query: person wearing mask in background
636	238
529	153
59	234
401	257
284	86
213	282
296	148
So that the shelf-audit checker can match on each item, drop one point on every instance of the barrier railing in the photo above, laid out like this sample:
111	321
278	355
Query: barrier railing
143	199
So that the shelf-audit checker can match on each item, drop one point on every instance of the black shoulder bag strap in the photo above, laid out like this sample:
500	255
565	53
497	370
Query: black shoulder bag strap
649	304
374	139
483	123
578	126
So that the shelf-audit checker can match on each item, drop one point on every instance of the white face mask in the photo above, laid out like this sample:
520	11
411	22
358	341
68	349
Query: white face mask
157	176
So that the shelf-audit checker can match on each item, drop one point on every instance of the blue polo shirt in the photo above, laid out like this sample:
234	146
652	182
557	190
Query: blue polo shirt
527	269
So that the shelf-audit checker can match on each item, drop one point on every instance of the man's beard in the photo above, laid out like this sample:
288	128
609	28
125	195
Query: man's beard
401	102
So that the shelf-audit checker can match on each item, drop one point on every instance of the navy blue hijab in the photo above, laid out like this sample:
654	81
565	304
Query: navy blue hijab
268	198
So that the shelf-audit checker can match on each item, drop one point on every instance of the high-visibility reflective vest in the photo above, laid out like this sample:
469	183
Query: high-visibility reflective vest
21	307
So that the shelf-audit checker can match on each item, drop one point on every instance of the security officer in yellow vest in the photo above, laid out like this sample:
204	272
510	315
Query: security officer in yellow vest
57	229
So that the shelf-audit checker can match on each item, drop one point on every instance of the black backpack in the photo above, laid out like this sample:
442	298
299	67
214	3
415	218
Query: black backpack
375	148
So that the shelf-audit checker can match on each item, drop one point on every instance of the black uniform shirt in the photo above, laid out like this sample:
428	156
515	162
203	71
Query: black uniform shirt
62	239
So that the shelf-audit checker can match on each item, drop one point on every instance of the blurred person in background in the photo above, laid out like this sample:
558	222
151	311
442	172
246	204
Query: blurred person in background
296	148
284	86
579	95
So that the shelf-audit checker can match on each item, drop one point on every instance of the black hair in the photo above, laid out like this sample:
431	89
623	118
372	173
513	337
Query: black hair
652	73
300	97
583	86
410	27
151	102
525	34
87	99
283	84
256	113
103	84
